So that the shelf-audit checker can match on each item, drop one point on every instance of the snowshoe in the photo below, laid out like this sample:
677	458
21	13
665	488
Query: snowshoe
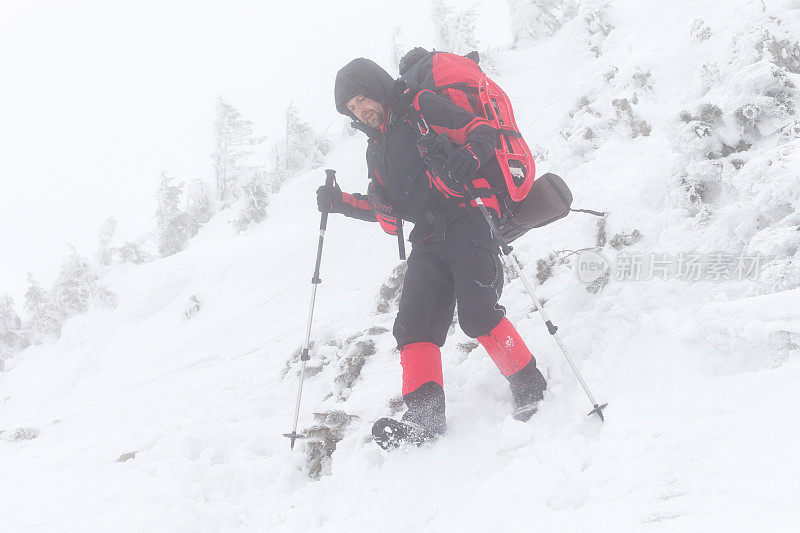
389	433
523	413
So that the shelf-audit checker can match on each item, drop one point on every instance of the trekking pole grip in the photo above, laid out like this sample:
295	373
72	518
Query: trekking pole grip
330	181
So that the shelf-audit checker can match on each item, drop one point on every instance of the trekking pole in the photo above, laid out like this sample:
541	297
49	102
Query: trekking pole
512	262
330	181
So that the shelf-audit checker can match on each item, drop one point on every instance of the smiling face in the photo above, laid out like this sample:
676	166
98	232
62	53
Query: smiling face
367	110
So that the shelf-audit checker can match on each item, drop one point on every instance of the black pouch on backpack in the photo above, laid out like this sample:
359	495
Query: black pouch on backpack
548	200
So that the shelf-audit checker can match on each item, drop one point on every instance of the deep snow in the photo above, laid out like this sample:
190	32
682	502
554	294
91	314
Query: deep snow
701	431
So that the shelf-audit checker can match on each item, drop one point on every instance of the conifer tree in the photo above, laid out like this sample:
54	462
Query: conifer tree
11	337
175	227
254	201
35	296
277	173
455	29
233	143
440	14
105	252
131	252
43	318
302	148
534	19
396	47
200	204
77	288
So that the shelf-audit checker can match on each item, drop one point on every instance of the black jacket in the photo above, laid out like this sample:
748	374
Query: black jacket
401	185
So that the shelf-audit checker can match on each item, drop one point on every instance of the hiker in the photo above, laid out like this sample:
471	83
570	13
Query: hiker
454	260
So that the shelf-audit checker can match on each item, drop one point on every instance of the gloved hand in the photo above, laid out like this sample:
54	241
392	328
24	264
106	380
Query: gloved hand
329	199
462	164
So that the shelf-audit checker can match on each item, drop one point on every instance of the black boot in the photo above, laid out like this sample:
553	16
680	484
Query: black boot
426	408
423	422
527	386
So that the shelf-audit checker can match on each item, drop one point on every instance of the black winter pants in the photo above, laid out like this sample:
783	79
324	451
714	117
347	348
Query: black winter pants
461	268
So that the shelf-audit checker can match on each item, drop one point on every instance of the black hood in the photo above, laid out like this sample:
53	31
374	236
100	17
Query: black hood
362	76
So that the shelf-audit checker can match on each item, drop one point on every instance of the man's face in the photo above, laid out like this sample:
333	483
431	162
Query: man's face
367	110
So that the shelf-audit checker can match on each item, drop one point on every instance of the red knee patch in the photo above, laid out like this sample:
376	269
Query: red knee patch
506	348
422	362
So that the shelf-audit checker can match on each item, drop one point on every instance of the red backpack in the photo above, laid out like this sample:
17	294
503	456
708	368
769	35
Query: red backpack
461	80
533	202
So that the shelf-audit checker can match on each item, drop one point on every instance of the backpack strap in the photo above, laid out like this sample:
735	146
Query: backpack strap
405	100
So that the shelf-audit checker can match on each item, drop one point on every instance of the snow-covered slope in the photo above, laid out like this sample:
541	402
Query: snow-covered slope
700	432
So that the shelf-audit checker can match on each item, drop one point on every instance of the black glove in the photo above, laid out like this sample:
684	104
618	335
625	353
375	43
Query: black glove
329	199
462	164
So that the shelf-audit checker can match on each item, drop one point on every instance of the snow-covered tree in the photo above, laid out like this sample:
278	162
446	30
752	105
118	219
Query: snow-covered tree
440	14
304	146
77	287
535	19
233	142
12	338
104	250
35	296
277	170
131	252
462	38
254	201
199	202
396	47
455	29
9	320
43	318
175	227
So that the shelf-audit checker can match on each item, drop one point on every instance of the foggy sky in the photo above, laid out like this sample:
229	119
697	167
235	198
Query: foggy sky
99	97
